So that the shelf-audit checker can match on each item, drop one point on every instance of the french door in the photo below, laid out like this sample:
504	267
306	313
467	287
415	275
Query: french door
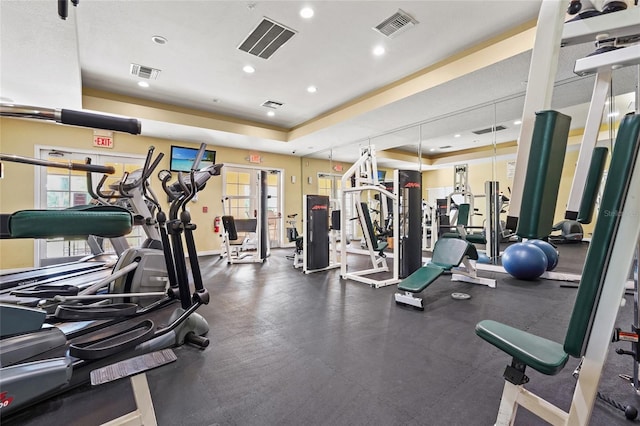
241	194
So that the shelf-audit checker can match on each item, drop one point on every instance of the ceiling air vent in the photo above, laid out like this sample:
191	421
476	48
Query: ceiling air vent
272	104
489	130
144	72
395	24
266	39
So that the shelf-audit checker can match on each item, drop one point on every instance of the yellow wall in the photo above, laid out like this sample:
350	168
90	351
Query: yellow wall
17	188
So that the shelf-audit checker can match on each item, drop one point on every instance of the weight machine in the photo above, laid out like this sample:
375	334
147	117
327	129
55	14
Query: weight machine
591	325
363	176
319	239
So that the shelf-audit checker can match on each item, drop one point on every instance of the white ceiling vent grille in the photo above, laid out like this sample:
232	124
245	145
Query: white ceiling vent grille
144	72
489	130
396	24
272	104
266	39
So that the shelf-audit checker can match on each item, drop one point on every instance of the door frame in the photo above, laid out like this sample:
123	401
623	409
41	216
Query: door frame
280	206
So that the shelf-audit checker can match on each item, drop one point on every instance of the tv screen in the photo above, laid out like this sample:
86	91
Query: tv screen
382	174
182	158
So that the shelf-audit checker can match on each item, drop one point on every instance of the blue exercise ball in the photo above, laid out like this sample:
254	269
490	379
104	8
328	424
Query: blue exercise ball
483	258
550	251
524	261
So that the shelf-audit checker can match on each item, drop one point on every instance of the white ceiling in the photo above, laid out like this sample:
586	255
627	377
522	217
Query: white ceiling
46	62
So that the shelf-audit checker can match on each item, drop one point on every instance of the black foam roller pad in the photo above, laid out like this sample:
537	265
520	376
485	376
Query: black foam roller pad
98	121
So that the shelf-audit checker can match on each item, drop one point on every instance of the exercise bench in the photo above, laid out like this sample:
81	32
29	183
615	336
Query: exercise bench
448	256
462	227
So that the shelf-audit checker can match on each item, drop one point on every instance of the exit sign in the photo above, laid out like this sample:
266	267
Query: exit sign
103	141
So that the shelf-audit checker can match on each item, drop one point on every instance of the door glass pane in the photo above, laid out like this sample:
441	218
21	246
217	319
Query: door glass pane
241	198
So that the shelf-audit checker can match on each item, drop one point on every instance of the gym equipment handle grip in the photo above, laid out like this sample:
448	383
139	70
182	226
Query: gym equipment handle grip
98	121
68	165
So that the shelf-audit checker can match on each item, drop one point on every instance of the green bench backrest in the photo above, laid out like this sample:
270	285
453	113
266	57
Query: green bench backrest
590	193
598	258
463	214
448	252
544	169
75	222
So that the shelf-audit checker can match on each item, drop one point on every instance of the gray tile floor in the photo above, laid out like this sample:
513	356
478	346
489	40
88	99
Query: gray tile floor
294	349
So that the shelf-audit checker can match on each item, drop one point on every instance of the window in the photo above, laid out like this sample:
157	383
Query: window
63	188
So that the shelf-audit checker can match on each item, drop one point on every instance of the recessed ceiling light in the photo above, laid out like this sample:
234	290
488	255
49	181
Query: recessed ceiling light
613	114
515	123
306	12
159	39
432	149
379	50
248	69
143	84
271	113
457	135
312	89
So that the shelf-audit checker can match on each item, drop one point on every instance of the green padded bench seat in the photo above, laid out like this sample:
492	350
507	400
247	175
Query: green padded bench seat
543	355
421	278
472	238
75	222
451	235
476	238
447	254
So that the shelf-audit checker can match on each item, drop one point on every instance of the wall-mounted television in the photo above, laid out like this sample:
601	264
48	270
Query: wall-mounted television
182	158
382	174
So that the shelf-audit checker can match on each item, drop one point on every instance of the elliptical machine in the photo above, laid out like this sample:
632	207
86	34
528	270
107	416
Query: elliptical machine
33	368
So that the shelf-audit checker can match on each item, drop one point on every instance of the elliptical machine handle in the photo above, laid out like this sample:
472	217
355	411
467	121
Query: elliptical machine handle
199	156
153	166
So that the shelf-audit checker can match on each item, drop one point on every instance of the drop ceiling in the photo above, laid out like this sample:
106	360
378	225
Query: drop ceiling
49	62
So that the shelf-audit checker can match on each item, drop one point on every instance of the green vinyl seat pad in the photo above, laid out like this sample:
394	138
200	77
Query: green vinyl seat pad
543	355
472	238
476	238
421	278
75	222
447	254
451	235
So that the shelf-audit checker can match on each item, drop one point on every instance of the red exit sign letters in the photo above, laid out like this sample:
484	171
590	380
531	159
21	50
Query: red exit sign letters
102	141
